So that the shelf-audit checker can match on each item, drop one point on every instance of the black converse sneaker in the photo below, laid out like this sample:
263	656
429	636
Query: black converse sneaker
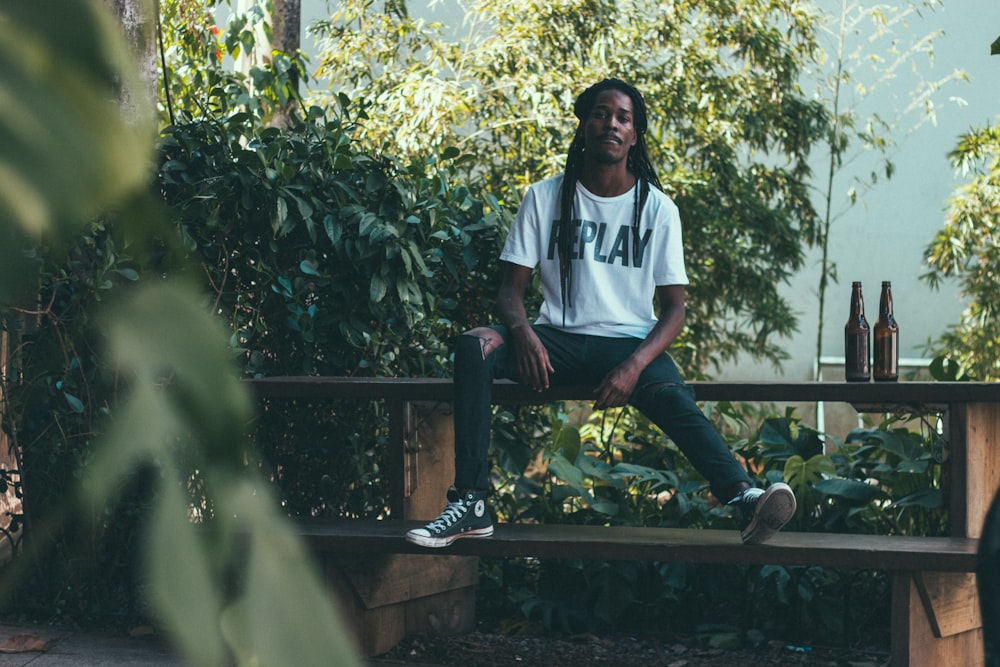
764	513
465	516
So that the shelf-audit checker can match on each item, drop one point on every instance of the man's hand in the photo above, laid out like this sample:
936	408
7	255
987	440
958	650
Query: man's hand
533	363
617	386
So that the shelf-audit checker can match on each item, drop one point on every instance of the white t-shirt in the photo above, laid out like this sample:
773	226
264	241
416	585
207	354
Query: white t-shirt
611	295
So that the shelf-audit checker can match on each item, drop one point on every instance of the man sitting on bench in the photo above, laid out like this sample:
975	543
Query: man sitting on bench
606	240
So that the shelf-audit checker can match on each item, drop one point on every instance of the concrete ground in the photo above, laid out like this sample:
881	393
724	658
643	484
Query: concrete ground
45	646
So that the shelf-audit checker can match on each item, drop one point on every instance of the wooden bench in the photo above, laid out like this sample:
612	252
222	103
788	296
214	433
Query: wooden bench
935	609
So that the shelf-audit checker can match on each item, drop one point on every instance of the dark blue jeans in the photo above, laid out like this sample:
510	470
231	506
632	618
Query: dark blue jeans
660	394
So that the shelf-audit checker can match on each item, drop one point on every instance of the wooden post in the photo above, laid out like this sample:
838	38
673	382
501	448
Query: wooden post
936	617
937	633
975	468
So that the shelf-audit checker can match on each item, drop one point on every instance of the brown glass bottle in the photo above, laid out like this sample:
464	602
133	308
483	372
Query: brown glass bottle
857	346
885	367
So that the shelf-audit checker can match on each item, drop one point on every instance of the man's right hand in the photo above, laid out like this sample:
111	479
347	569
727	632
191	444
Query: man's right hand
533	363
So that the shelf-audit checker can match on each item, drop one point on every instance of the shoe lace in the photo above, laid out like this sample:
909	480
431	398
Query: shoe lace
746	498
451	514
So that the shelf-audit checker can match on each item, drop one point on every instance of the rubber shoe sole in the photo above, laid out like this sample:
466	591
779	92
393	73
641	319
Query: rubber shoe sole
773	510
415	537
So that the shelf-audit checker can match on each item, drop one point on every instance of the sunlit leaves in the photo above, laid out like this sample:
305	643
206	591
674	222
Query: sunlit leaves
730	130
967	249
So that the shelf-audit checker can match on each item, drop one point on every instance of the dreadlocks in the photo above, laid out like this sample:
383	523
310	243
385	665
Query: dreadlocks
638	164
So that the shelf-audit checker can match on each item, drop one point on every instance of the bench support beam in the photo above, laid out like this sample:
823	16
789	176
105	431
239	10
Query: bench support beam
934	637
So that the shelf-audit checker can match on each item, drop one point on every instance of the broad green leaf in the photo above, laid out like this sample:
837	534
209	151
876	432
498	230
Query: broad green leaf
183	587
563	469
284	604
899	443
75	404
597	469
163	333
802	474
567	442
848	489
927	498
377	289
67	150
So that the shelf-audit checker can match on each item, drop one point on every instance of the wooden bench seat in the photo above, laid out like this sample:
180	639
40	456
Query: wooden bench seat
938	554
397	587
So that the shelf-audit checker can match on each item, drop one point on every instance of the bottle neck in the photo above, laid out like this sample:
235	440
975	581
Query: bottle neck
885	303
857	303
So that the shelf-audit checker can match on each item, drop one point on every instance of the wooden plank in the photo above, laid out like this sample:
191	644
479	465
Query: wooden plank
374	631
951	601
434	389
914	643
659	544
982	464
430	459
449	612
391	578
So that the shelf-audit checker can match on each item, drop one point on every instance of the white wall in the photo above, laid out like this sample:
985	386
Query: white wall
884	236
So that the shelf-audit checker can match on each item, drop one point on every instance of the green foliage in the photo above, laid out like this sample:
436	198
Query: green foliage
568	465
122	394
57	94
730	130
326	259
966	250
210	68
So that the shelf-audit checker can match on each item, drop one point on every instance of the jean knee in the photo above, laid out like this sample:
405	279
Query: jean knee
477	343
665	393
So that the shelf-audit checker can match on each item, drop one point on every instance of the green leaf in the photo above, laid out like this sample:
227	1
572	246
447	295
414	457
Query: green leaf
899	443
377	289
281	582
567	442
801	474
183	586
595	468
573	476
75	404
67	151
567	472
931	499
848	489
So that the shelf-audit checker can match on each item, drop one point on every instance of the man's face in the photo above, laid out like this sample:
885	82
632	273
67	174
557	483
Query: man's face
609	132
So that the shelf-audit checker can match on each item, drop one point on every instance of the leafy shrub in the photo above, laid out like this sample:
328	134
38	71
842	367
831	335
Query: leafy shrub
612	467
324	259
318	256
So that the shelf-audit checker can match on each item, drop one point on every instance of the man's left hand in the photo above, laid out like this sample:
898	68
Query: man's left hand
617	386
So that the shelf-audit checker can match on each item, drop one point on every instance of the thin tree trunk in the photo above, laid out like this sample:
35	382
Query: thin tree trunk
286	30
138	21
